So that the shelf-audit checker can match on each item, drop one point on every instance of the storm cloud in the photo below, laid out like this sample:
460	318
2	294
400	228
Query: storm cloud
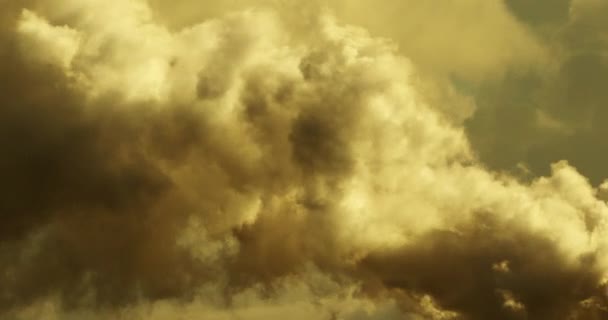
328	160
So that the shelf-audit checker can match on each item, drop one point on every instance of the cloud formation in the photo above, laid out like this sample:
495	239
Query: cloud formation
276	161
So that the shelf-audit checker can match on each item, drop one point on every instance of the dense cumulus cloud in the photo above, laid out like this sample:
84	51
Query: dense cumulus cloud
325	160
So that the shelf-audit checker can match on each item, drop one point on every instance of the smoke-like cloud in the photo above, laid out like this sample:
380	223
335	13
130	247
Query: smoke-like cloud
275	162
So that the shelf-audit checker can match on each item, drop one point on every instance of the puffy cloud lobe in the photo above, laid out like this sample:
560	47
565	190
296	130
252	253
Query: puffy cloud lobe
60	44
230	168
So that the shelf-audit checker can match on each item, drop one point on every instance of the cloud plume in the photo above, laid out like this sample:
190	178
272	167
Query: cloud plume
270	159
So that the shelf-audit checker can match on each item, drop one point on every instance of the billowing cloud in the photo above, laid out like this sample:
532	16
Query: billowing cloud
278	162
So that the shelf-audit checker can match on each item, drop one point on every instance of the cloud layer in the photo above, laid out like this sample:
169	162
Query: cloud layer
270	159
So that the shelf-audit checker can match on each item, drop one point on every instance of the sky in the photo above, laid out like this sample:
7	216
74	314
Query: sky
284	159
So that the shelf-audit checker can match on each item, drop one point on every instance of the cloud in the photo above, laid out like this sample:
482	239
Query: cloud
245	166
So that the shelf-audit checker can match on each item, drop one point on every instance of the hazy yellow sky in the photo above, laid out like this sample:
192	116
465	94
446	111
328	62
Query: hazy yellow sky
283	159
